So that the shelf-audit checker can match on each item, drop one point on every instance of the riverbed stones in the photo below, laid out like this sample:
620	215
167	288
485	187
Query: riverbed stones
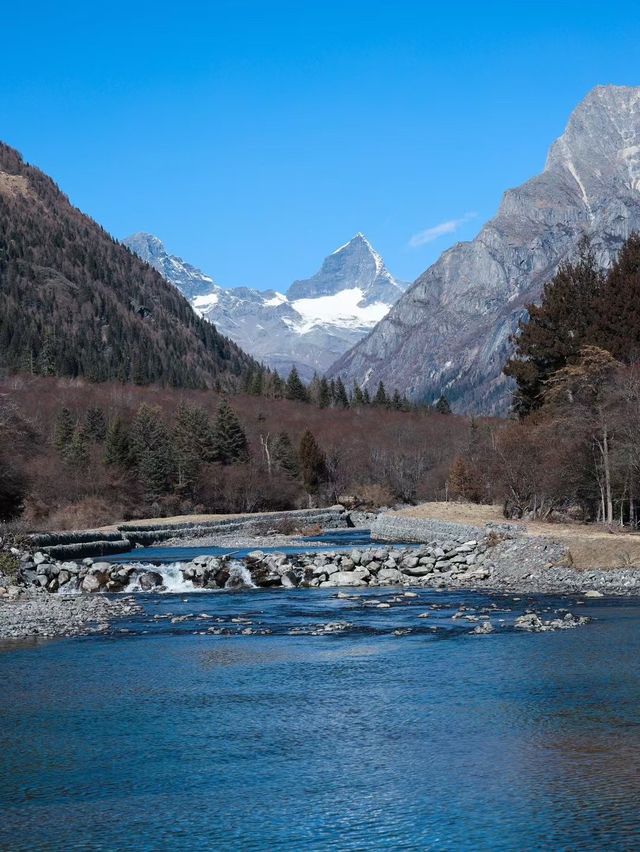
150	580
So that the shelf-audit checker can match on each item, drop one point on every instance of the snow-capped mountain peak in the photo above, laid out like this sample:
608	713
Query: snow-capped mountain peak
310	325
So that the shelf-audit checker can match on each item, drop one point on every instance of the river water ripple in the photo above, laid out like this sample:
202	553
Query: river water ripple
336	724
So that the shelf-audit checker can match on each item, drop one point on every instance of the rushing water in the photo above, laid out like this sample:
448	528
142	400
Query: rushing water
348	725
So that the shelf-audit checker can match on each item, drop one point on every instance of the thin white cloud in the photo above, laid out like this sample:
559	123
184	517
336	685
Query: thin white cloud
431	234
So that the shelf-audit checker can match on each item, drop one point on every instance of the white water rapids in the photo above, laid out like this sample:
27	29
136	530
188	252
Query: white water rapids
173	581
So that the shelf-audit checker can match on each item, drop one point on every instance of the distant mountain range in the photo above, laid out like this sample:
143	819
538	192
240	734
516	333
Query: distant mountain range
450	331
74	302
310	325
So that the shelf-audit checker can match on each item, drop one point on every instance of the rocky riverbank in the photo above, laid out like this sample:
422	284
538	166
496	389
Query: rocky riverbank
498	561
41	615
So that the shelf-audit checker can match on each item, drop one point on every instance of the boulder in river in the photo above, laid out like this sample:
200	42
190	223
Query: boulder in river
150	580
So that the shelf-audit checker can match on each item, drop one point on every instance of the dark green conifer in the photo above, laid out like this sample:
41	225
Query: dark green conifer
64	428
152	451
95	425
117	450
381	395
442	405
357	398
295	388
194	444
313	463
341	398
284	456
324	393
230	443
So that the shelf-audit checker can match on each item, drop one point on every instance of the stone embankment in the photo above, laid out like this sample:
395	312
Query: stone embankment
81	544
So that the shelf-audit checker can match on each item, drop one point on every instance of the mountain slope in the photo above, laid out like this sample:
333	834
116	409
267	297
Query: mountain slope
450	331
311	325
74	302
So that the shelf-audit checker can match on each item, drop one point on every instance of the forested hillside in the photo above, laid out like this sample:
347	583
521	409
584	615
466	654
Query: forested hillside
74	302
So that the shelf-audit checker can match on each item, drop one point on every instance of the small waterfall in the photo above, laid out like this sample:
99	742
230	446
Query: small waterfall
239	577
172	579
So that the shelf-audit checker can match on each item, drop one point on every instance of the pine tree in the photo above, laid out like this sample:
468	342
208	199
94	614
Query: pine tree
341	398
230	443
284	456
95	425
442	405
277	386
357	399
64	428
256	385
381	396
312	463
396	402
295	388
13	490
45	363
194	444
76	452
324	393
117	450
555	330
617	312
366	396
152	451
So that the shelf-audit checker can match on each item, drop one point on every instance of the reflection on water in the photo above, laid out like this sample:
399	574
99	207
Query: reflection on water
338	729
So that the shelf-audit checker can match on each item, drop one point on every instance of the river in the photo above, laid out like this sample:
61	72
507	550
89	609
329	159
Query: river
337	724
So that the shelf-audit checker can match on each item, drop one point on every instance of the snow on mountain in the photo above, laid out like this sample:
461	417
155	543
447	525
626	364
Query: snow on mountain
313	324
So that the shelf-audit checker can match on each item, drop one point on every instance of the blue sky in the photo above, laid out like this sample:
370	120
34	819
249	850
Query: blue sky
255	137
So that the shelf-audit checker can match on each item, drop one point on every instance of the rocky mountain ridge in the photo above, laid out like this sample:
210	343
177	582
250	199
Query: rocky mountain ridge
310	325
450	331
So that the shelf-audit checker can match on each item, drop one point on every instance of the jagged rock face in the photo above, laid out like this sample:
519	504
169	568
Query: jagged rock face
189	280
450	331
311	325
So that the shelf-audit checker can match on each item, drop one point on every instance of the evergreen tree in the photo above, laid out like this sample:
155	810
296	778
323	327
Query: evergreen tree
357	398
366	398
332	391
617	312
381	396
555	330
230	443
256	384
324	393
194	444
64	428
45	364
312	463
442	405
13	489
396	402
152	451
284	456
95	425
117	450
341	398
277	386
295	388
76	452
